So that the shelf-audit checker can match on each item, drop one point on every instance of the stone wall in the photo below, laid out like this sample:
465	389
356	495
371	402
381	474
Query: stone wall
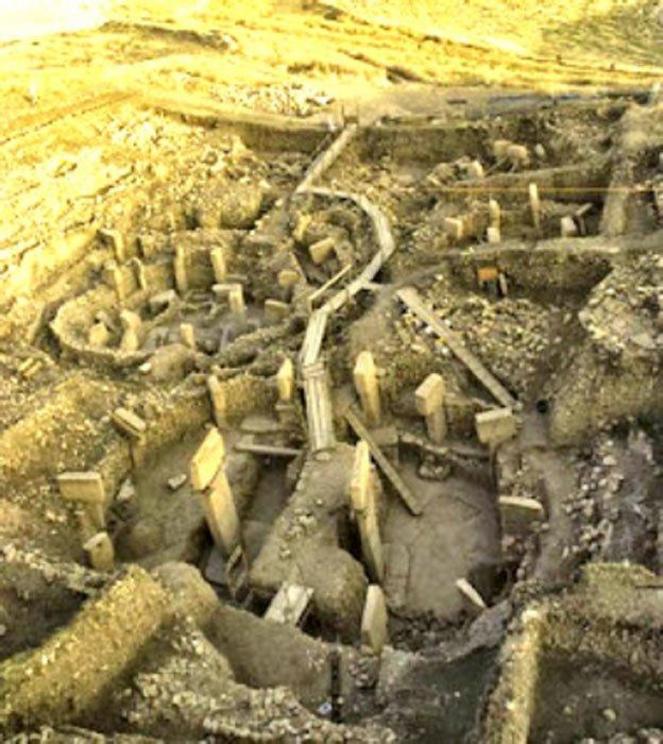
69	675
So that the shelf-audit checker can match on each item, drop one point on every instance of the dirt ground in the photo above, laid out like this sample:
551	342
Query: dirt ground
291	57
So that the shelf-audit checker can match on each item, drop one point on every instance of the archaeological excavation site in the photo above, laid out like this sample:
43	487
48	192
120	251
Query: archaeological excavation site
325	420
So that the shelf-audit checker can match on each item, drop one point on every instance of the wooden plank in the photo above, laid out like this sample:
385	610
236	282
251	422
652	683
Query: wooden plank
390	472
315	332
411	298
319	413
268	450
327	158
383	237
449	449
310	300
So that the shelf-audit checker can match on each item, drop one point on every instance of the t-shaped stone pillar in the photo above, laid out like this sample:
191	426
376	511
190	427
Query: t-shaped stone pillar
236	300
454	227
140	273
209	478
495	213
321	250
100	551
188	335
219	266
87	490
374	620
221	513
235	295
363	492
429	397
285	381
180	270
131	325
535	205
114	239
217	395
366	383
496	426
568	227
207	459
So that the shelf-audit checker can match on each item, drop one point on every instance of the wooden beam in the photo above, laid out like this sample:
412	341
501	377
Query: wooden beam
389	471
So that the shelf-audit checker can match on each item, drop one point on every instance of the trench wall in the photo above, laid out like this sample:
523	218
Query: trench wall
69	675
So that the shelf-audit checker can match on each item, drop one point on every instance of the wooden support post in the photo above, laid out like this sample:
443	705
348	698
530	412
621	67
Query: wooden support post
366	384
429	398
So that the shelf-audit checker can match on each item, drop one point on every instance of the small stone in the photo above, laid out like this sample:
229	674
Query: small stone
610	715
126	493
177	481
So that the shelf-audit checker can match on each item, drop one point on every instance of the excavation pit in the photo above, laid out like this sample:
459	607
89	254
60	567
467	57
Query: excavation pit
357	403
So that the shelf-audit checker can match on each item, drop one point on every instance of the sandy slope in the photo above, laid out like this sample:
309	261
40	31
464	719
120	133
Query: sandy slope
280	55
